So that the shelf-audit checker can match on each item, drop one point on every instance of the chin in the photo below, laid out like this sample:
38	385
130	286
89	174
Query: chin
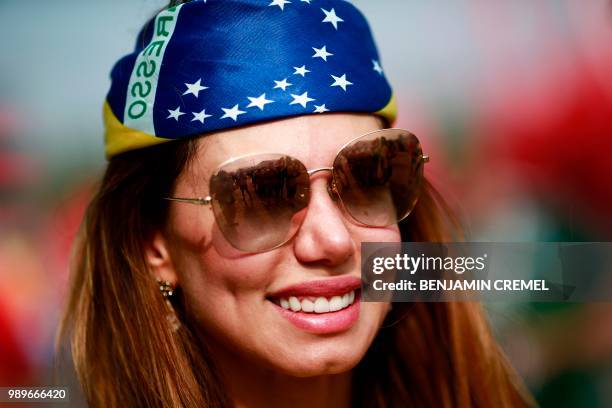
313	355
318	360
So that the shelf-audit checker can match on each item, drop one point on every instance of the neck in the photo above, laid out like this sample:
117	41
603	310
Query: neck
250	385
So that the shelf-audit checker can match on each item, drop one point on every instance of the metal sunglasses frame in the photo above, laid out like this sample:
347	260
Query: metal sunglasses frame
331	186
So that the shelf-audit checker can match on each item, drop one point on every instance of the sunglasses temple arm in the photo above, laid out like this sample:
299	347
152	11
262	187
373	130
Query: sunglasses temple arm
199	200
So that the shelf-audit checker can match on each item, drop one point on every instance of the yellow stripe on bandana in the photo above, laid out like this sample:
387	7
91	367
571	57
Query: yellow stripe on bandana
120	138
389	112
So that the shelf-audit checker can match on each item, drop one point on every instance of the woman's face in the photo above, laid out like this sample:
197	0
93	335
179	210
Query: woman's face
237	298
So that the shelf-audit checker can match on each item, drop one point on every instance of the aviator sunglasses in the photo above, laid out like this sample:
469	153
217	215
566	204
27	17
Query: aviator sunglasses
260	200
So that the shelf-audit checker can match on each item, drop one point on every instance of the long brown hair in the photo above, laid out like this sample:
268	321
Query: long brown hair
126	354
436	354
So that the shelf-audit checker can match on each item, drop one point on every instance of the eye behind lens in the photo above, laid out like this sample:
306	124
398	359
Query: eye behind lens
378	176
258	200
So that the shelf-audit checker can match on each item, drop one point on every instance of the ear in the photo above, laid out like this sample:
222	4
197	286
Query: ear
158	259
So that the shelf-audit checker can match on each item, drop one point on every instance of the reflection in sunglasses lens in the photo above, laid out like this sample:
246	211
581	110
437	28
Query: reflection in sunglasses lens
378	177
258	201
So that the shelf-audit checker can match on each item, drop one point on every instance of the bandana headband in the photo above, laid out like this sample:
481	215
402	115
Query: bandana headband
207	66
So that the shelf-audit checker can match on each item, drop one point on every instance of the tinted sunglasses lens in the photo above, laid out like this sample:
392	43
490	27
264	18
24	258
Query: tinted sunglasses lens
378	176
260	201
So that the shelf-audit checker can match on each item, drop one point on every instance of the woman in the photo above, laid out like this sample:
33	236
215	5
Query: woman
219	261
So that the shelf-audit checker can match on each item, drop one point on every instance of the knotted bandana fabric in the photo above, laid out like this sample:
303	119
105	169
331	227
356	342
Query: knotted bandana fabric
210	65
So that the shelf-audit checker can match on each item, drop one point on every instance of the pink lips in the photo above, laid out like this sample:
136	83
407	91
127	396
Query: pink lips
322	323
324	287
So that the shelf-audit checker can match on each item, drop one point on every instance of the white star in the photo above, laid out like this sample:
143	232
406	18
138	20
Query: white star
321	53
300	70
260	101
321	109
331	17
302	99
279	3
282	84
174	114
342	82
232	113
377	67
201	116
194	88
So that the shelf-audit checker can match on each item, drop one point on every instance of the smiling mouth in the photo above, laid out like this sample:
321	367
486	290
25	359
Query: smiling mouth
316	304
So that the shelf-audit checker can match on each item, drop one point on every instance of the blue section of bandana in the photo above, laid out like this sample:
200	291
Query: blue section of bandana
234	62
120	77
120	74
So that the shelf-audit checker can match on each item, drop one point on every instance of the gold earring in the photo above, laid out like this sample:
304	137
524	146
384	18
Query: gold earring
167	291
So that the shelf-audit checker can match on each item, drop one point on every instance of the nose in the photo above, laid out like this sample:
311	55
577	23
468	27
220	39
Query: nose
323	236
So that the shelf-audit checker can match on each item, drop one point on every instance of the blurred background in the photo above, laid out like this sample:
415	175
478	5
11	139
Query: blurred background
512	101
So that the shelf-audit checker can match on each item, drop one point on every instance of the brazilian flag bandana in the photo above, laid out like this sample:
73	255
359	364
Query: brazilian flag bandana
209	65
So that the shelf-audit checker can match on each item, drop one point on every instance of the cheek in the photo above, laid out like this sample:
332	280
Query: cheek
212	274
206	263
218	282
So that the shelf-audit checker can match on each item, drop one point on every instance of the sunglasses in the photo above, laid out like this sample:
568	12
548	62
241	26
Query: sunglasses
260	200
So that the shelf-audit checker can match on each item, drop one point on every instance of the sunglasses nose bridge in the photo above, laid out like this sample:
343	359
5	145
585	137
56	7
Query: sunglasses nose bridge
331	188
317	170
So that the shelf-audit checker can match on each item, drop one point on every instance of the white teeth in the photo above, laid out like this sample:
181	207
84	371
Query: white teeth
320	304
295	304
345	300
284	303
335	304
307	306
